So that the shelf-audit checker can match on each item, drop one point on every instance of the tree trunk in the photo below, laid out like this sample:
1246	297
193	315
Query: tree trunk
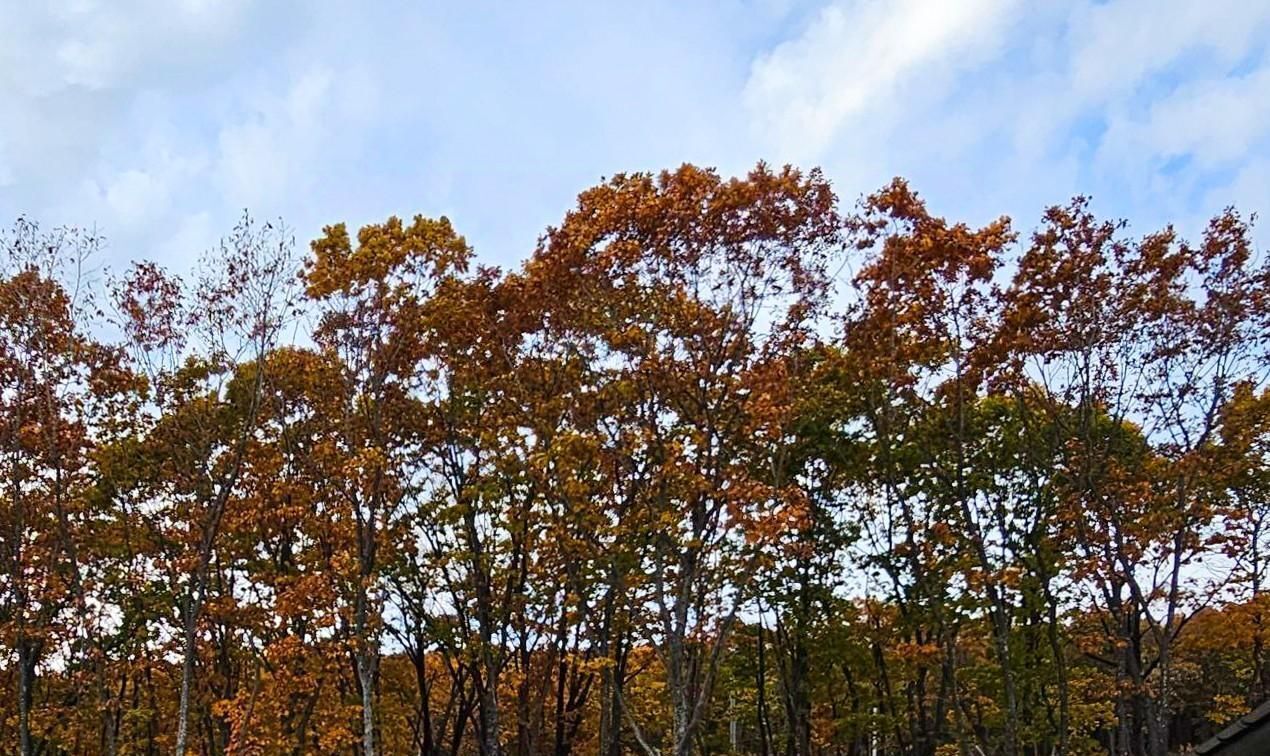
797	697
108	733
760	685
611	703
26	689
490	743
1060	671
187	675
366	678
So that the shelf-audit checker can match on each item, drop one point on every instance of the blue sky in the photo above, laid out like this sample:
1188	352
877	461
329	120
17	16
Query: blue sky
160	120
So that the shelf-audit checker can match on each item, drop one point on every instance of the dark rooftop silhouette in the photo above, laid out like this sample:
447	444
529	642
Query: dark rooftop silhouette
1247	736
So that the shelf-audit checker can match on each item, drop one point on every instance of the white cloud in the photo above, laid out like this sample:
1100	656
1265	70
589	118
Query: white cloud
133	195
92	128
160	120
261	154
191	236
1212	121
1115	45
1250	184
1156	107
856	59
94	45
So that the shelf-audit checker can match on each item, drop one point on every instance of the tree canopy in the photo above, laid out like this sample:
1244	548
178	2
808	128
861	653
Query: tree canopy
725	466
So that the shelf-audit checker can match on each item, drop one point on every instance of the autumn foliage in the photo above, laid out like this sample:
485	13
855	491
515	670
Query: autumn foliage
724	467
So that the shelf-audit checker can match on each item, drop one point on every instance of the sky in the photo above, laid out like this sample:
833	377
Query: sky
159	122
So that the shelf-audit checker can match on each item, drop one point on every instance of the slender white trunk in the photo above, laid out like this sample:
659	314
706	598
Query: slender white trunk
366	675
187	675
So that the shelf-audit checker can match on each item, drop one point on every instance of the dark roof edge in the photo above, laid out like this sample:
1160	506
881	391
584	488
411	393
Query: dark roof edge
1259	716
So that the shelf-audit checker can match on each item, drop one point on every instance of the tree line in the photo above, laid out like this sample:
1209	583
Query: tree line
725	466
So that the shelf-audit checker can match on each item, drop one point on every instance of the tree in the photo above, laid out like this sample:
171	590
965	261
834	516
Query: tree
373	311
670	486
691	283
56	379
914	337
1134	348
204	354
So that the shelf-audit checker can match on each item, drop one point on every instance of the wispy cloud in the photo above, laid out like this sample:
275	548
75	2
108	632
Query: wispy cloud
861	60
161	122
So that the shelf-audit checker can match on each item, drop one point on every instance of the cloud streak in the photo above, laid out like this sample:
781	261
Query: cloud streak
161	133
